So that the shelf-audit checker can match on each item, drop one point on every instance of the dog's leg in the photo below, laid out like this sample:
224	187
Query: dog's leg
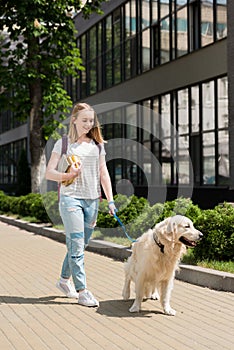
139	286
126	288
155	294
166	289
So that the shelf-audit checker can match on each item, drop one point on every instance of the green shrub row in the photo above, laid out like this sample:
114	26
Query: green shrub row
138	215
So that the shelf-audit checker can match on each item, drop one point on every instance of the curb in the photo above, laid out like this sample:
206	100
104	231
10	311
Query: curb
213	279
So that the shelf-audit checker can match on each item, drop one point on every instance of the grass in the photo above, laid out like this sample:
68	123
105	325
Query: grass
226	266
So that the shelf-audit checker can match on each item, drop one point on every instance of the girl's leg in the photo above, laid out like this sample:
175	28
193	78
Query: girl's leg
72	214
90	217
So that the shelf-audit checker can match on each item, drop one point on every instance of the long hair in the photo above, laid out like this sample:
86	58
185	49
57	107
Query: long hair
94	134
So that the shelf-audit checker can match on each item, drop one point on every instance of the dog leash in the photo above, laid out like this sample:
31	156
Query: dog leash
123	227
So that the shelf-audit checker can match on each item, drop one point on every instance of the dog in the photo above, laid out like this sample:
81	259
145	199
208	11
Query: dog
155	258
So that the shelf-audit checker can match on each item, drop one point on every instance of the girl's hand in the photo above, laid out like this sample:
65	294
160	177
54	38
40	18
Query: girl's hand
75	169
112	208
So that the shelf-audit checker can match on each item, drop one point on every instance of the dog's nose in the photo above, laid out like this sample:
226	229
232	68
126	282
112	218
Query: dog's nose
200	235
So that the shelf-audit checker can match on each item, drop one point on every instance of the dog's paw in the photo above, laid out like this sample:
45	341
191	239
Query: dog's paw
169	311
134	308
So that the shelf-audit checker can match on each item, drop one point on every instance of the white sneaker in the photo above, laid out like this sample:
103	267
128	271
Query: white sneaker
86	298
67	288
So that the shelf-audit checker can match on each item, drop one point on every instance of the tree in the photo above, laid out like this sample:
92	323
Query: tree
37	51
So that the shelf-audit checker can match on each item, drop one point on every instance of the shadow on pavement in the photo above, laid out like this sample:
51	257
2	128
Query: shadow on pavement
51	299
119	308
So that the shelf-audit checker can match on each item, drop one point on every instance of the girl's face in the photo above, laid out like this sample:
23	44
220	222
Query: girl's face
84	122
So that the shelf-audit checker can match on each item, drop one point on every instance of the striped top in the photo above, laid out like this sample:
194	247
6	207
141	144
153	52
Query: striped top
87	184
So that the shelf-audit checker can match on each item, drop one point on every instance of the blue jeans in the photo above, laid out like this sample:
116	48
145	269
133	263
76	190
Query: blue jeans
79	219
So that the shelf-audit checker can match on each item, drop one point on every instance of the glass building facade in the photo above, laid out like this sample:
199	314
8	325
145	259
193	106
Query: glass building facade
166	62
187	131
140	35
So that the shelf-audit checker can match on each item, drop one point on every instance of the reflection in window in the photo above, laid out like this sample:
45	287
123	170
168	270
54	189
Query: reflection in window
93	77
116	27
133	18
182	32
207	22
173	37
195	123
166	138
222	102
154	11
183	160
208	106
131	122
92	43
108	34
223	158
117	64
145	13
221	14
108	55
127	59
146	50
83	73
164	8
181	2
146	114
209	158
183	112
108	69
165	40
127	20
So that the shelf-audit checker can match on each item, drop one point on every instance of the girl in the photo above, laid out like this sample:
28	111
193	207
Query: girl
79	200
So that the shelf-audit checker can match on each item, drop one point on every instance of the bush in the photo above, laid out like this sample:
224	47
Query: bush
218	230
147	219
28	205
180	206
128	209
4	203
14	202
38	209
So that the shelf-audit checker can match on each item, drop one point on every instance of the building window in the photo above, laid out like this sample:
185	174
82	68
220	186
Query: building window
178	138
108	53
140	35
207	22
9	158
221	19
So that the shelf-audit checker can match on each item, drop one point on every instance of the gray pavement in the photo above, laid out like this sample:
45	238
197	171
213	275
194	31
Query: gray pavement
35	315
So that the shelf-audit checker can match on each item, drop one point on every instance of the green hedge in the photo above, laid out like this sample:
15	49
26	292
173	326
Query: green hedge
138	215
217	225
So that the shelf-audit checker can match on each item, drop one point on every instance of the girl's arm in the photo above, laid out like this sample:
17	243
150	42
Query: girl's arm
55	175
106	184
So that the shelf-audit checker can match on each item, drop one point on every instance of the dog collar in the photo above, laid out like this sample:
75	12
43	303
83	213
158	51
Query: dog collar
159	244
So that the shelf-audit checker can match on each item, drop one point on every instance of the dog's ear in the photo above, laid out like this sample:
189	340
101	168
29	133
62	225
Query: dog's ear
172	229
171	225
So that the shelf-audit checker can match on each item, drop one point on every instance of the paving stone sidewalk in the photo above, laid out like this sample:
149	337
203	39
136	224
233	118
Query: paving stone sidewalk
35	315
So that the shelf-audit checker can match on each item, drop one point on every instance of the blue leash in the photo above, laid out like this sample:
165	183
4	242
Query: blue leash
123	227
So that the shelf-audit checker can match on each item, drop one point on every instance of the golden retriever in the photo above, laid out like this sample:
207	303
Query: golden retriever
155	258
